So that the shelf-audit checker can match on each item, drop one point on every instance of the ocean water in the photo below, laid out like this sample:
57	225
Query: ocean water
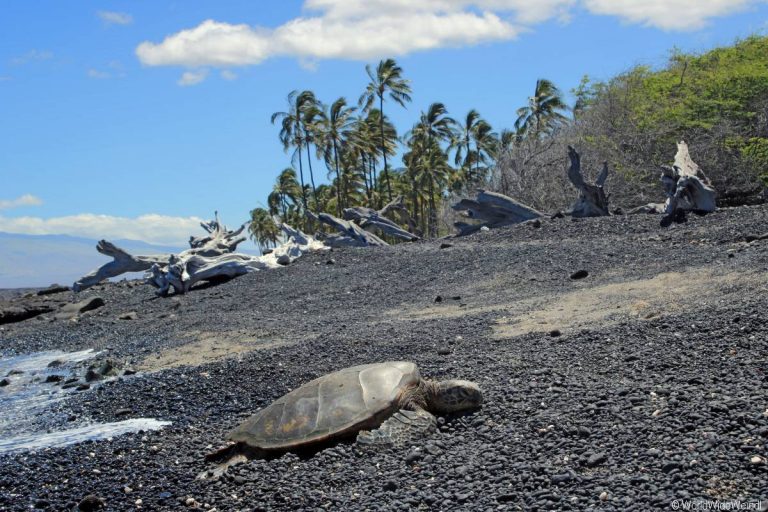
34	413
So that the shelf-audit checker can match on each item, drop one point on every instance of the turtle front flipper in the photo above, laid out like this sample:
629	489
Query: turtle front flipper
231	454
400	428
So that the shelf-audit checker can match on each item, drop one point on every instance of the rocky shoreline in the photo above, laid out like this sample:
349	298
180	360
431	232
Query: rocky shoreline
643	382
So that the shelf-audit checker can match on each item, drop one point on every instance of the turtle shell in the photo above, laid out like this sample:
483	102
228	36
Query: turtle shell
335	405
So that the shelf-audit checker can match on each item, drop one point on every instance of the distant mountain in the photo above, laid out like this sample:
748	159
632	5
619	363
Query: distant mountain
29	261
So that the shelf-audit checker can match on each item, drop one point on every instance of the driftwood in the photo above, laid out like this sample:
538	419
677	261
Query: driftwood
350	234
370	218
592	202
494	209
687	188
122	263
182	271
220	240
209	257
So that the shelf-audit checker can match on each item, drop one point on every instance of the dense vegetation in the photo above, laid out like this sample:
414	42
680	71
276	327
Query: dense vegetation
716	101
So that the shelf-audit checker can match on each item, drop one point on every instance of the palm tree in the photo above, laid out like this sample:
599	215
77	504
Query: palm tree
286	188
262	228
387	79
475	129
365	135
434	126
486	143
462	143
311	109
362	149
332	127
292	130
543	112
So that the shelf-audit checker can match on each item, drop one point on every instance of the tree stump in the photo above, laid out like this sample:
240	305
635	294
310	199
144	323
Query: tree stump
687	188
592	201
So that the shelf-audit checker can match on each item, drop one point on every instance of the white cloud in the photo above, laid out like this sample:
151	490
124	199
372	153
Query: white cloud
218	44
99	75
193	77
152	228
32	56
25	200
4	78
668	14
115	18
372	29
228	74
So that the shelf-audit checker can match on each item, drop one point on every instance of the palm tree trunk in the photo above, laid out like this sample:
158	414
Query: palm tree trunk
373	173
477	158
432	209
415	199
311	174
301	179
338	179
384	148
364	169
469	160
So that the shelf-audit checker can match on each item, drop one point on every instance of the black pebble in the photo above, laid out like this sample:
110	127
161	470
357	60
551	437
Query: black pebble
579	274
390	485
412	457
90	503
596	459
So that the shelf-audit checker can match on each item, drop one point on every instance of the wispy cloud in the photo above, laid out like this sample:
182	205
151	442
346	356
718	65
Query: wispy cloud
192	77
115	18
152	228
114	69
228	74
32	56
98	75
4	78
369	29
25	200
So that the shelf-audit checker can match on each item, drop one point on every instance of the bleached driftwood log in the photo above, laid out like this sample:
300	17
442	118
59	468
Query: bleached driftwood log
370	218
494	209
219	240
122	263
182	271
592	202
350	234
209	257
687	188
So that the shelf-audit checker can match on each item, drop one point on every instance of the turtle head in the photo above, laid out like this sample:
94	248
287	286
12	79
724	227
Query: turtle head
455	395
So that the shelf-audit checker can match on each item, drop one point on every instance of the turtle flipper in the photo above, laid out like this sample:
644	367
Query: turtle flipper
229	455
401	427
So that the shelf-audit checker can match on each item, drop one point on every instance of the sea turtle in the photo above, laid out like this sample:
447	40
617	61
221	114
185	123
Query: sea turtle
383	403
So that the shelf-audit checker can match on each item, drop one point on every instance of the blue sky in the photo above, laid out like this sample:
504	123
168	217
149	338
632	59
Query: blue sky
137	119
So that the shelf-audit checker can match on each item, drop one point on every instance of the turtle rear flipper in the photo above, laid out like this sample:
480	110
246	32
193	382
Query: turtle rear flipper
400	428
